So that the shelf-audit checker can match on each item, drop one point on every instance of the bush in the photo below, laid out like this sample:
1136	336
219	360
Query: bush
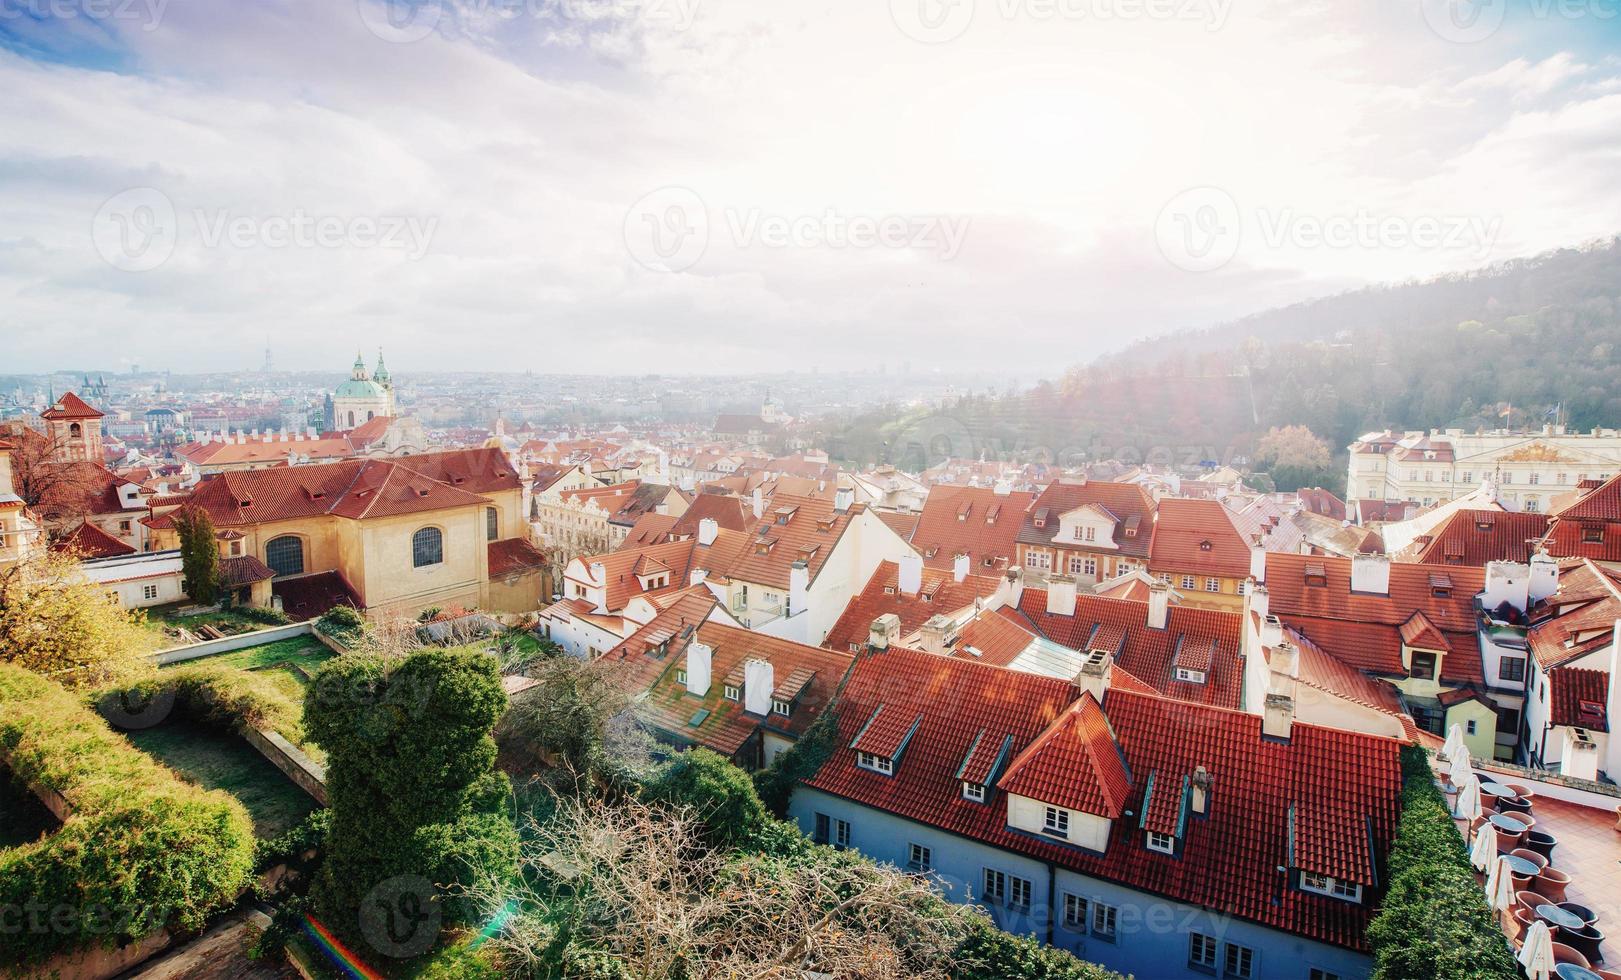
341	622
411	779
141	850
719	793
988	953
1434	921
801	761
259	614
222	698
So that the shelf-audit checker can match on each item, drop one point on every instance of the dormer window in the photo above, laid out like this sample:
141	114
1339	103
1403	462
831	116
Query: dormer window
973	792
732	692
877	763
1205	546
1592	535
1190	676
1316	576
1163	843
1056	821
1332	887
681	676
782	708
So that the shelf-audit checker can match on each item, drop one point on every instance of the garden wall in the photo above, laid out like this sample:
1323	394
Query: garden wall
240	641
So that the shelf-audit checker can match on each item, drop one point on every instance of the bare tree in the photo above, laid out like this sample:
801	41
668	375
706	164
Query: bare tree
59	490
634	883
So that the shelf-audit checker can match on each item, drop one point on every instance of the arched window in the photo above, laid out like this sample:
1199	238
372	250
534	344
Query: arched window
75	430
370	415
427	547
492	523
285	555
351	420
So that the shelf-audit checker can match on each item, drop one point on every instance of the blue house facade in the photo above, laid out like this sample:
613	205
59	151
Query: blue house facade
1124	929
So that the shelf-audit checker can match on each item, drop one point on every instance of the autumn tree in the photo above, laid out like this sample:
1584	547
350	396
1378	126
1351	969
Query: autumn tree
1294	456
58	490
56	622
199	555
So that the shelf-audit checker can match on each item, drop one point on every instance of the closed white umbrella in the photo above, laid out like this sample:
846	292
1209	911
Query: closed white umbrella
1500	886
1537	953
1462	766
1453	743
1484	854
1468	805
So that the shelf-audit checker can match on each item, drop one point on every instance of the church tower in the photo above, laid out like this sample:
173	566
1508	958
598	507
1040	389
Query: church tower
74	428
361	398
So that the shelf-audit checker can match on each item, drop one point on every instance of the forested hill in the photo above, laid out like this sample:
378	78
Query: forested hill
1532	334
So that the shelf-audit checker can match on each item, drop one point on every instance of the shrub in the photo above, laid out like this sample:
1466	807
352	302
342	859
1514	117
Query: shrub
260	614
1434	921
341	622
58	623
141	849
410	776
718	792
223	698
801	761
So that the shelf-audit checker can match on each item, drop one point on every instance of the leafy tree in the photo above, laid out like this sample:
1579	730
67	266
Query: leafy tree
199	555
1294	457
719	793
56	622
417	805
568	717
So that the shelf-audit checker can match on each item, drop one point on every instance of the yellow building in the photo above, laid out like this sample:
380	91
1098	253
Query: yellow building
393	537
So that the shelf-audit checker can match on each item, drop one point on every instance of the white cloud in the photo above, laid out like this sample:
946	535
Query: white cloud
526	131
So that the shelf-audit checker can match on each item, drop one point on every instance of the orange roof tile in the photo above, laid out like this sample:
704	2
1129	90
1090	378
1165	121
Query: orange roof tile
975	520
938	593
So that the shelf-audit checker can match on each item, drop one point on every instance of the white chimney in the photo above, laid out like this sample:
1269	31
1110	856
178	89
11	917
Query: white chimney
911	573
696	576
1278	716
1061	596
1200	785
933	634
1159	605
843	497
1612	706
708	527
1096	673
700	659
1544	577
1015	587
884	630
759	503
959	566
1580	758
1506	581
1257	600
1001	488
758	683
798	588
1258	564
1370	574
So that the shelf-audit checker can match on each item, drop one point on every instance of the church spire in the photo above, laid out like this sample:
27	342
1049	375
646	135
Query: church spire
359	373
381	374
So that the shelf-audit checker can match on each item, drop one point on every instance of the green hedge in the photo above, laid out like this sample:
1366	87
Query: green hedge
802	761
141	850
1434	922
225	698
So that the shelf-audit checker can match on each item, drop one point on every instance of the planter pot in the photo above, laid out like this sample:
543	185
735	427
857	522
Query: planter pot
1585	941
1507	842
1541	842
1552	882
1582	912
1519	922
1564	953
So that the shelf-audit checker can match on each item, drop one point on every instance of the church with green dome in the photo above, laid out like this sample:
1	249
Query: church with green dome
363	397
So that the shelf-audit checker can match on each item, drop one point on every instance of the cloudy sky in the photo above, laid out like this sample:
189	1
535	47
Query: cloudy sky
738	185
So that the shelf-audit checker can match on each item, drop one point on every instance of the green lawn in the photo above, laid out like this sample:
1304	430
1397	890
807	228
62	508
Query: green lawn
207	758
305	652
161	621
23	818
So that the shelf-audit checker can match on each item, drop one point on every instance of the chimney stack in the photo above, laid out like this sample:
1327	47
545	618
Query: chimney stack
933	634
700	660
1544	577
759	503
884	631
1096	673
1159	605
911	573
1061	596
1370	574
1200	784
1278	712
708	527
843	497
758	684
959	566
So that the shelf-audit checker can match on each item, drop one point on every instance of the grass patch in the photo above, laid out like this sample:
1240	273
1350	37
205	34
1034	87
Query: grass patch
304	652
164	622
207	758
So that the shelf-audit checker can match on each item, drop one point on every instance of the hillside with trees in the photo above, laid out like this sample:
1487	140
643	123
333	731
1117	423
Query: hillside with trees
1519	343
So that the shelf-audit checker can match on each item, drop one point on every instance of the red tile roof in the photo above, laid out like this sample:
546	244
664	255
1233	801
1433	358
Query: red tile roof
1334	794
976	520
1130	504
514	555
1198	537
266	449
308	596
70	406
485	470
939	593
726	511
243	570
1475	537
1364	630
650	528
1578	696
679	558
904	525
793	528
1075	763
90	541
1121	625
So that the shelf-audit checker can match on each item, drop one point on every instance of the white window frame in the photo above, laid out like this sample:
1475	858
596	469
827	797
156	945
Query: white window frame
919	857
841	834
1203	951
1105	921
1321	884
1056	821
1188	582
1163	843
1076	910
973	792
1238	962
876	763
1019	892
1212	584
994	890
731	692
782	708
